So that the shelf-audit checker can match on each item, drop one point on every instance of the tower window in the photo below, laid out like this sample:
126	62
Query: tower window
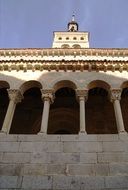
59	38
74	38
67	38
82	38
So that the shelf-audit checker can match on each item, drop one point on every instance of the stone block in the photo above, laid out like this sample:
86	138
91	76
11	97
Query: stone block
9	146
87	137
38	138
101	169
62	182
56	169
64	158
77	183
40	158
116	182
8	182
112	157
10	169
69	137
8	138
37	182
118	169
88	158
82	147
1	156
81	169
113	147
16	158
40	147
34	169
123	136
108	137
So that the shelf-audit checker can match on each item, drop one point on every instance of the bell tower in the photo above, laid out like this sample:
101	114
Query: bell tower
72	38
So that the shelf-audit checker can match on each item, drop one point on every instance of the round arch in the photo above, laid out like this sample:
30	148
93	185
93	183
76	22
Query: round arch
124	85
63	84
4	84
30	84
100	84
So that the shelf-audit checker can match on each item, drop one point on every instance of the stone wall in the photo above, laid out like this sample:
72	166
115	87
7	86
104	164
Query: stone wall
64	162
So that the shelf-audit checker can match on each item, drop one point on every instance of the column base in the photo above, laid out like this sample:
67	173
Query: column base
42	133
83	132
122	132
3	133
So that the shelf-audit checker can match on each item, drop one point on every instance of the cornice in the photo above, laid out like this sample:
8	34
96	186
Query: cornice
64	59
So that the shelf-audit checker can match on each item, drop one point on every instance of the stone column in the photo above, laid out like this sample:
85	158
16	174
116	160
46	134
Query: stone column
47	97
115	98
82	96
15	97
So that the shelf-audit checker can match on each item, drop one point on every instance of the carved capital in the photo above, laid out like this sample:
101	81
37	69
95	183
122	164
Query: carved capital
48	95
82	94
115	94
15	95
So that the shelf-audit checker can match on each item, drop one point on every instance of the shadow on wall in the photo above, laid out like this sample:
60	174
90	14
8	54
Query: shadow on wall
64	112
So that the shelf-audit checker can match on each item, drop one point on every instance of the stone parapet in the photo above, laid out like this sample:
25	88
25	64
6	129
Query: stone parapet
64	162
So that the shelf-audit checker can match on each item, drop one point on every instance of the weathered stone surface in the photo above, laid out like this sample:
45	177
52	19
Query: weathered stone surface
112	157
40	158
81	169
113	147
40	147
16	158
88	158
9	146
78	163
37	182
10	169
82	147
8	182
34	169
118	169
110	137
116	182
63	158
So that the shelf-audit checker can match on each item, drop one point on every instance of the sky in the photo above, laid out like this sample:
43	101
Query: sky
30	23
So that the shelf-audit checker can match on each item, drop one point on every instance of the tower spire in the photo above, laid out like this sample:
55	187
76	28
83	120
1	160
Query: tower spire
73	17
73	25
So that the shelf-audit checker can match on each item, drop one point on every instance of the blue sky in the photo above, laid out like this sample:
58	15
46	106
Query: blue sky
30	23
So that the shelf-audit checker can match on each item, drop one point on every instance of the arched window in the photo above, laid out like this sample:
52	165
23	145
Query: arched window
64	113
4	101
28	113
65	46
124	103
76	46
100	116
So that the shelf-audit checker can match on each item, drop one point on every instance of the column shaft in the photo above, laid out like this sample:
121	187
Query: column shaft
118	114
45	116
82	115
9	116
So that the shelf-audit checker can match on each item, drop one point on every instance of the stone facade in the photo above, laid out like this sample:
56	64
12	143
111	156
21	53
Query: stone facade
63	116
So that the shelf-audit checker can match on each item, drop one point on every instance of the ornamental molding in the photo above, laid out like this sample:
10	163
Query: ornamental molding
48	95
64	59
82	94
15	95
115	94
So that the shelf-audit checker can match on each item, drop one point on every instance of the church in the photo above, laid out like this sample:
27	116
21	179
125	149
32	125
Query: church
63	115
